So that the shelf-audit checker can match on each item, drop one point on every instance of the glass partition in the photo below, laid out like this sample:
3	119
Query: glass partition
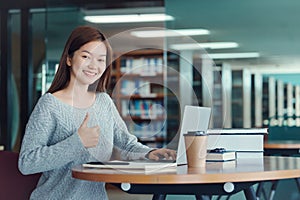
36	35
16	75
39	39
59	24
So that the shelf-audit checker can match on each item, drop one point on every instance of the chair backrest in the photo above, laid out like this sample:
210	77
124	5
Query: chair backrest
13	184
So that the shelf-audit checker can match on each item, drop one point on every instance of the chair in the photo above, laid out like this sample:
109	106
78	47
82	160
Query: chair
13	184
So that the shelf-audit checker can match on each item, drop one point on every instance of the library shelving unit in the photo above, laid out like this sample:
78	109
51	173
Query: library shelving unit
253	100
280	102
222	90
289	104
172	95
212	86
221	96
258	99
265	101
241	98
271	103
139	91
197	81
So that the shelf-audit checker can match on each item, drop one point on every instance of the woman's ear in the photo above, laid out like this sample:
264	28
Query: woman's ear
68	61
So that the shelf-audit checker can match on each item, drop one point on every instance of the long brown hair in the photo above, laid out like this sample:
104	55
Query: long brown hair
80	36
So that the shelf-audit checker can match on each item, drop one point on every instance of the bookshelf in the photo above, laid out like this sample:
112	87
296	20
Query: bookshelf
257	97
289	104
197	81
172	97
272	101
241	98
222	92
142	97
212	84
266	92
280	102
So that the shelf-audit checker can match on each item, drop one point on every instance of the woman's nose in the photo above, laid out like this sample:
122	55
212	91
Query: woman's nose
93	64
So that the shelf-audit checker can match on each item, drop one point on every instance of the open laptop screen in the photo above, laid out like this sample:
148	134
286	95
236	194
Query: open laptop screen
195	118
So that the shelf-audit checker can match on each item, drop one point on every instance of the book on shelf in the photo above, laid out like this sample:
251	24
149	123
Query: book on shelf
135	86
220	156
144	108
144	65
240	139
147	130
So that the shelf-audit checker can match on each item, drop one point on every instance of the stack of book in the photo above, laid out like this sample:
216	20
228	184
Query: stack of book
246	142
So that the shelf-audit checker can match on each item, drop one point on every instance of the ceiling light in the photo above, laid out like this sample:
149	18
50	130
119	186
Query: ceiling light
207	45
233	55
128	18
169	33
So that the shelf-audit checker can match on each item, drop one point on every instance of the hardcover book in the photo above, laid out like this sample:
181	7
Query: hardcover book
220	156
240	139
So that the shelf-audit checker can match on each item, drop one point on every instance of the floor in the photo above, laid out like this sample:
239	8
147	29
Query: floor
117	194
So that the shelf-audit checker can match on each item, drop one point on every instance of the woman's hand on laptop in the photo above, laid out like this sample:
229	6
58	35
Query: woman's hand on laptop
162	154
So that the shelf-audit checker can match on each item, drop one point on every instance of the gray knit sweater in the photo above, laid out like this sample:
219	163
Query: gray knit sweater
51	145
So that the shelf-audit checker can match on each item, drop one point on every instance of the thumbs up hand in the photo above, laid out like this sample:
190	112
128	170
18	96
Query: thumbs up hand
89	135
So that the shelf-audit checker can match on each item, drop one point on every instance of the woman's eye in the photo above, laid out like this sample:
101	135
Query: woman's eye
85	57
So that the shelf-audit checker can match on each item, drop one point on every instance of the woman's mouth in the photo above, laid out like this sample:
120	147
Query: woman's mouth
89	73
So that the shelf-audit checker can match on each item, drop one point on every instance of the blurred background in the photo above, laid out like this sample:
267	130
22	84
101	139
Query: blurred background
240	58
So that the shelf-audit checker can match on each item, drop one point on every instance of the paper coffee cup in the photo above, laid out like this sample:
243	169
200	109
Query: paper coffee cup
196	148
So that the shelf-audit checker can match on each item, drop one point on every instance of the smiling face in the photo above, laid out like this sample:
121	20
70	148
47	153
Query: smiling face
88	63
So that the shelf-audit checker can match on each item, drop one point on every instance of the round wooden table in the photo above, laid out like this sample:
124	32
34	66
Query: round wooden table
217	178
282	147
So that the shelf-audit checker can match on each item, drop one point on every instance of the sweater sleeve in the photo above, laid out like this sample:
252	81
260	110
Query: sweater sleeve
36	154
125	142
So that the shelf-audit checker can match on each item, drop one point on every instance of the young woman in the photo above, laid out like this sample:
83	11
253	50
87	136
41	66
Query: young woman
77	122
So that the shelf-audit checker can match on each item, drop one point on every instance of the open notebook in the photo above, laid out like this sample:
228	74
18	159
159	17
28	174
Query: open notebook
194	118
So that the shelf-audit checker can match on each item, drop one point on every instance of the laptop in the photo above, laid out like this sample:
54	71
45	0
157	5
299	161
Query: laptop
195	118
